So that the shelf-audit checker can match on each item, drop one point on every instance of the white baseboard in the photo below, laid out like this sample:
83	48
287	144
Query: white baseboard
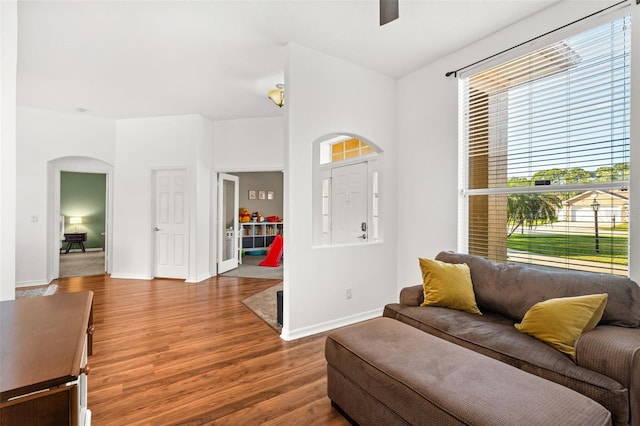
80	250
199	279
130	276
329	325
34	283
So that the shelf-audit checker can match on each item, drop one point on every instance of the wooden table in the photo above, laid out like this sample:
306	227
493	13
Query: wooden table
44	342
75	238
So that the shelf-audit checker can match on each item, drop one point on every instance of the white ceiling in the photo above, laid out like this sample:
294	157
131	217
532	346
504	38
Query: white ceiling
126	59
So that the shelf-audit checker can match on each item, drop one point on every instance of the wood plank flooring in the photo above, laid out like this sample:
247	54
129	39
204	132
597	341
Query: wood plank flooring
167	352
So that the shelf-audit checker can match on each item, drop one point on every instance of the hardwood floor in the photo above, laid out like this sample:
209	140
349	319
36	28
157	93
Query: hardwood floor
167	352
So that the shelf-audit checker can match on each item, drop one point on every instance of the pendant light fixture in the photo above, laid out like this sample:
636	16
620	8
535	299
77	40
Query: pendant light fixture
277	95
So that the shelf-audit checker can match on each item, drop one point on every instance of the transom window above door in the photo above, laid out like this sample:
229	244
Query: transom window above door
343	148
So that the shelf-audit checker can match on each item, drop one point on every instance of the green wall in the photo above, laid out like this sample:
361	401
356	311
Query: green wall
84	195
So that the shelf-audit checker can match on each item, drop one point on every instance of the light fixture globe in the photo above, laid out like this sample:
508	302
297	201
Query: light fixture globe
277	95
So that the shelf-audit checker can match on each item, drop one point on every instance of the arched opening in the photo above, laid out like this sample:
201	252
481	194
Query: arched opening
57	226
346	190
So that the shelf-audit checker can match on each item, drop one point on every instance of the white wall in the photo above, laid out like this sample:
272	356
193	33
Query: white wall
427	172
428	139
144	145
203	231
8	64
328	95
249	144
44	136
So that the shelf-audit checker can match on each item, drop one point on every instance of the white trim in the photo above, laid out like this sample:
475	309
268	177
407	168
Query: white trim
33	283
550	188
463	175
347	245
330	325
224	265
131	277
200	278
634	235
365	158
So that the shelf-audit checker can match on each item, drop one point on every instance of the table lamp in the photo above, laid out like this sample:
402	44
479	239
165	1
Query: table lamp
75	221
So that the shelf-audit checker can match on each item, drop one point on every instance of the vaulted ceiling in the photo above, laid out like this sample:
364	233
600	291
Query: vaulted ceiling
128	59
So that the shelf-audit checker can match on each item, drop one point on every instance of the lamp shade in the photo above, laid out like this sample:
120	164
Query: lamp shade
277	95
75	221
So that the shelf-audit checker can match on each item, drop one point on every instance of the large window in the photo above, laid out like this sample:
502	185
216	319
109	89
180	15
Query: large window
546	151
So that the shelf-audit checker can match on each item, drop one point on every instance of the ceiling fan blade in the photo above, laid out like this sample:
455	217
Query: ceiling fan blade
388	11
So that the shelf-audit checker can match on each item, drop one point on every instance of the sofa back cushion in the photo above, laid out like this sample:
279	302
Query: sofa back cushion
512	290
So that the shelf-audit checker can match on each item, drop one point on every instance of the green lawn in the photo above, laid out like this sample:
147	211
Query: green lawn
613	249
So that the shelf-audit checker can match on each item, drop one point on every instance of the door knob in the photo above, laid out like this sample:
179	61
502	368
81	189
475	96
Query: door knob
156	229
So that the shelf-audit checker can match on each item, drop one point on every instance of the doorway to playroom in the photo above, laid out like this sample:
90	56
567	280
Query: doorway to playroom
260	220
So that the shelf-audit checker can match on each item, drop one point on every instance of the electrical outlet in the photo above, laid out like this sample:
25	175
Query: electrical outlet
349	294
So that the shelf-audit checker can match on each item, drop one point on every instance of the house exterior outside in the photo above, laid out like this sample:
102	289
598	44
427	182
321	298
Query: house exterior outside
613	207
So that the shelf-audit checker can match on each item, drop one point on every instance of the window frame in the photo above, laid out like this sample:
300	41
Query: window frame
463	170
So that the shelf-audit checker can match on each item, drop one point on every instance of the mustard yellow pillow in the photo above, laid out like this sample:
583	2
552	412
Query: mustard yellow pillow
448	285
560	322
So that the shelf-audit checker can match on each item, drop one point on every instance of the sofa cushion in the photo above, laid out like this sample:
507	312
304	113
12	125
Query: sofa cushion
560	322
495	336
448	285
512	290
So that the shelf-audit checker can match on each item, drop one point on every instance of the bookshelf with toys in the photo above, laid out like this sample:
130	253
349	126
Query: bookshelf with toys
257	236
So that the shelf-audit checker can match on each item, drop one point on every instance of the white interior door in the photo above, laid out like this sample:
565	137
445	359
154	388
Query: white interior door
172	224
349	204
228	232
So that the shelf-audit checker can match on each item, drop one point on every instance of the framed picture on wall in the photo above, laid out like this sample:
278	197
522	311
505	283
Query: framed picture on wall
270	195
252	194
262	195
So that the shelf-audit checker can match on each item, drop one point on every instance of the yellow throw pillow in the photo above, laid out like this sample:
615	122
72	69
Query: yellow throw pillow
560	322
448	285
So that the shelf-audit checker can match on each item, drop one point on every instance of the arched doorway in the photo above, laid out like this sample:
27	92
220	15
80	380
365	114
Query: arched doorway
74	164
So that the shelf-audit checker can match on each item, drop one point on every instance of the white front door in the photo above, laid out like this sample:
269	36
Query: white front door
228	208
349	204
172	224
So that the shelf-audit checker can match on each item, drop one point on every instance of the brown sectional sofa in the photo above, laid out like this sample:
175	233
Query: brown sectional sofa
607	366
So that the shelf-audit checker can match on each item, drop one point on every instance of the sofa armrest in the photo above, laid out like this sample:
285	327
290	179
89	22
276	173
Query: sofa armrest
412	296
614	352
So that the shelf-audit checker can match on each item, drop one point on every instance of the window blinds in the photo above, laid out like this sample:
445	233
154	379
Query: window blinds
546	144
